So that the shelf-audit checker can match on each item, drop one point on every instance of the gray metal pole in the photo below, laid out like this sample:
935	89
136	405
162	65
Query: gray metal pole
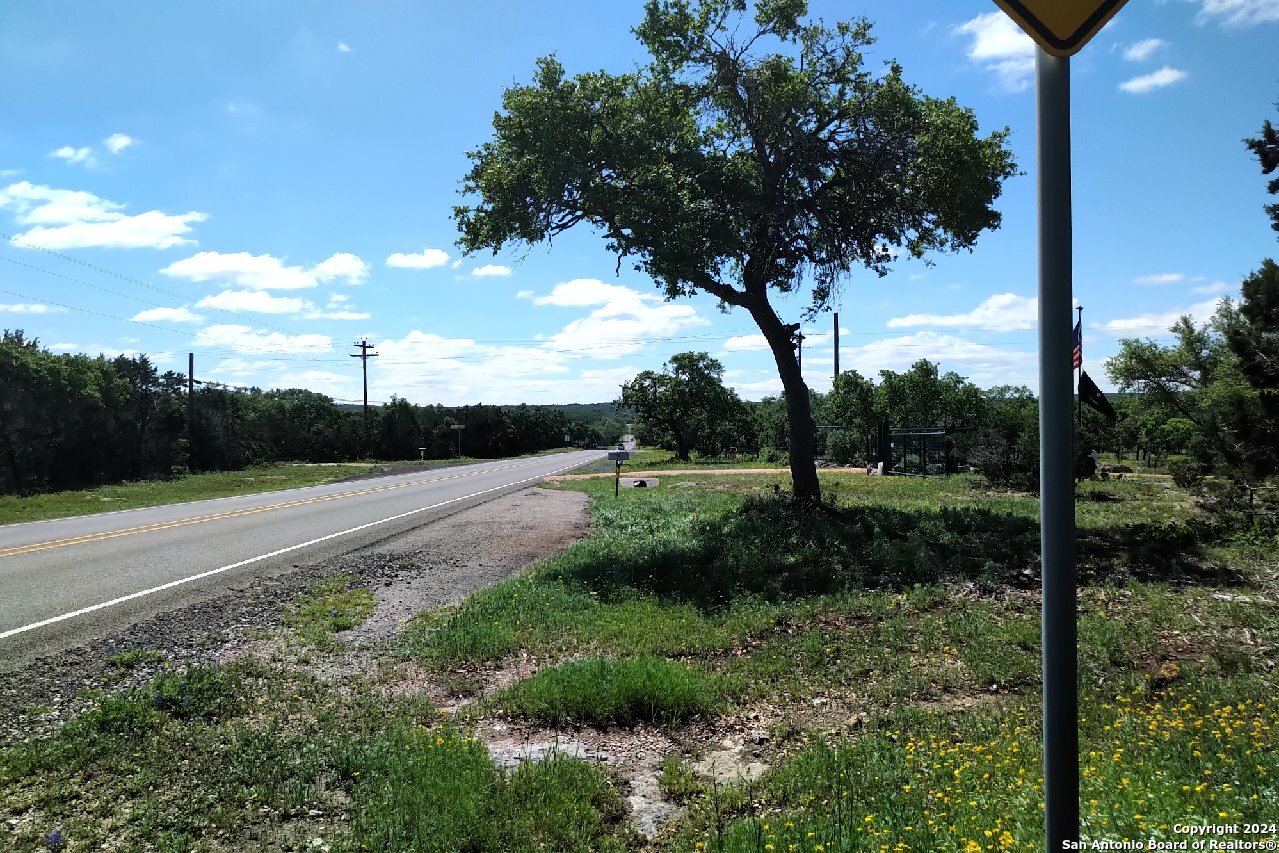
1056	484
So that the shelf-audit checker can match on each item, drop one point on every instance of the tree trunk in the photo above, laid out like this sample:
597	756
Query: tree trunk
799	410
682	445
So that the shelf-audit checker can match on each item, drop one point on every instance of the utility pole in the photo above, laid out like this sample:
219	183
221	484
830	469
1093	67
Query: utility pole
836	344
190	411
364	356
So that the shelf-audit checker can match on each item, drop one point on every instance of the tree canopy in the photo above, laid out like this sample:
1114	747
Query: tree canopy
723	168
687	405
1266	147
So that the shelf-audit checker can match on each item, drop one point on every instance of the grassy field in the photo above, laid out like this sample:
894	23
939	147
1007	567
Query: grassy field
655	459
889	649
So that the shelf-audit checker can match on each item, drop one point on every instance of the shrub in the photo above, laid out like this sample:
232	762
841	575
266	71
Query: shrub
604	691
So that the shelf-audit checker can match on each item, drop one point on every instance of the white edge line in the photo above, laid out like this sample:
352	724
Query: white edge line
171	584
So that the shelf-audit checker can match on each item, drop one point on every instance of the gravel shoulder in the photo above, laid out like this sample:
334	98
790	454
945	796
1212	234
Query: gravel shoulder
430	566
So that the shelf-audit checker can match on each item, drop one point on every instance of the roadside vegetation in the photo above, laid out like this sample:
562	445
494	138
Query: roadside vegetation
331	605
887	649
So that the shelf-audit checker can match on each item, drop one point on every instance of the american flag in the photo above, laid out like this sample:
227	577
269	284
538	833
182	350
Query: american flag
1079	346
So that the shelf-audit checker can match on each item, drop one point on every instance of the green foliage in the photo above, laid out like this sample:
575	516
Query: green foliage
68	421
432	790
919	780
328	606
1266	147
725	169
687	408
613	692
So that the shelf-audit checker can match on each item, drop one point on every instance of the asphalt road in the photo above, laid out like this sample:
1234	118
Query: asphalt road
70	579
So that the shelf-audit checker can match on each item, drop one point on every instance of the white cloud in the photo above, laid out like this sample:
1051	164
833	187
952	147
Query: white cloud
338	299
167	315
758	390
74	219
1160	278
491	270
1155	322
1165	76
623	321
524	294
424	260
82	156
266	272
1002	312
746	343
584	292
1140	51
343	47
1001	48
1214	288
31	308
257	301
982	364
342	266
243	339
1240	13
117	142
338	315
241	368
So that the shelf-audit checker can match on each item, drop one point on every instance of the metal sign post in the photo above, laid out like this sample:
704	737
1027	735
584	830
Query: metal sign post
1060	28
619	456
1056	454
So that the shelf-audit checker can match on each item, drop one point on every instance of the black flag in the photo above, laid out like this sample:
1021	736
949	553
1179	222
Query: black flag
1091	395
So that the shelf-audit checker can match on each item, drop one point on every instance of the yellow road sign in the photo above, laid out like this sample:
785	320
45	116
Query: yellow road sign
1061	27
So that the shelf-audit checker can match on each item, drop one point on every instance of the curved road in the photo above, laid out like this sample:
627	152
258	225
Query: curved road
61	579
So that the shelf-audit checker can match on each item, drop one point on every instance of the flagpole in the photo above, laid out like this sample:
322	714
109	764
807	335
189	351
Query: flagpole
1079	374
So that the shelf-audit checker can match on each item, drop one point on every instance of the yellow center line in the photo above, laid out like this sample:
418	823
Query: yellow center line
202	519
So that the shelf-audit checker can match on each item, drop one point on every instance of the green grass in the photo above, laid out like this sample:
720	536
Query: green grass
1201	750
892	643
253	757
330	605
192	487
431	788
131	658
612	692
656	459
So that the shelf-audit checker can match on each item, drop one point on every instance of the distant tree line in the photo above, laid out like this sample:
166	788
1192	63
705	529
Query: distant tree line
69	421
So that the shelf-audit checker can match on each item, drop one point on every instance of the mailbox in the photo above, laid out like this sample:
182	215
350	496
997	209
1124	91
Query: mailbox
619	455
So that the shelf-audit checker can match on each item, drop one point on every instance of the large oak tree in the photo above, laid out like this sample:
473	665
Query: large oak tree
724	168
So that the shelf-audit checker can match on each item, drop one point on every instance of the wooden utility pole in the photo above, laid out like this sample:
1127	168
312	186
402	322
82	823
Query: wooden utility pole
190	411
364	355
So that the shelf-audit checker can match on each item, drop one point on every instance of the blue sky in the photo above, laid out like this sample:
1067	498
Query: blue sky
264	183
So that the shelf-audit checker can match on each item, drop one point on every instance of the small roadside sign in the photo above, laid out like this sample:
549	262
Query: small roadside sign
1061	27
